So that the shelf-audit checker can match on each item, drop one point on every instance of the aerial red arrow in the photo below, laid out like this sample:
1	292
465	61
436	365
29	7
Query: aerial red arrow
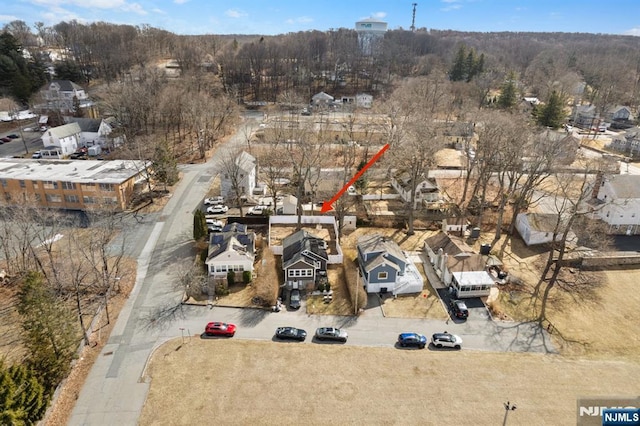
327	205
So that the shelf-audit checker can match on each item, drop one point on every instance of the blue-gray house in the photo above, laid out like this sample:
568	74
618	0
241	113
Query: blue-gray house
384	267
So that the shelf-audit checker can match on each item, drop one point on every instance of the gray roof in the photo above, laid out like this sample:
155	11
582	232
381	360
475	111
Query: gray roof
301	241
245	161
625	186
239	242
79	171
90	125
66	85
404	180
376	243
543	222
64	131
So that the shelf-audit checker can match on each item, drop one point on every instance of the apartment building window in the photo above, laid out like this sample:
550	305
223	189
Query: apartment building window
49	184
106	187
4	182
68	185
88	186
110	200
22	184
53	198
71	199
88	200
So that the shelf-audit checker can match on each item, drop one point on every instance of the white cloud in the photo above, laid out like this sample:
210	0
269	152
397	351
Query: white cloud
299	20
8	18
379	15
452	7
180	1
632	32
94	4
135	8
235	13
56	14
158	11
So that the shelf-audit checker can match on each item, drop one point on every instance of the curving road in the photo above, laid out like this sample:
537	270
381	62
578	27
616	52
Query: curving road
115	390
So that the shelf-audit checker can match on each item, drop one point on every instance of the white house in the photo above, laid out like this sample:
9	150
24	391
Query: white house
616	200
464	271
538	228
59	95
95	131
321	100
619	113
427	191
246	169
361	100
66	137
289	205
232	250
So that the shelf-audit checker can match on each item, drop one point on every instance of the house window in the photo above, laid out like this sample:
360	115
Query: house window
383	275
88	200
49	184
109	200
53	198
106	187
88	186
71	199
68	185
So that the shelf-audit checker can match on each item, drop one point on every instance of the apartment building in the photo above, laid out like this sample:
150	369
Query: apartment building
70	184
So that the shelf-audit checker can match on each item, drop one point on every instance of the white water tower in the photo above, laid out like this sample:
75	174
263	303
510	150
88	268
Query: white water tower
370	34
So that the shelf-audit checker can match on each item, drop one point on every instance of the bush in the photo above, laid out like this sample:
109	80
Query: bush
221	290
231	278
246	277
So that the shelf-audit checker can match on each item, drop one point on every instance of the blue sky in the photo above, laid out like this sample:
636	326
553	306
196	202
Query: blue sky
282	16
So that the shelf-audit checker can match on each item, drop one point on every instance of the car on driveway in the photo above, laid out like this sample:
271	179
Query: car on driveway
446	340
220	329
412	339
294	299
218	209
257	210
291	333
331	333
5	140
13	136
213	201
459	309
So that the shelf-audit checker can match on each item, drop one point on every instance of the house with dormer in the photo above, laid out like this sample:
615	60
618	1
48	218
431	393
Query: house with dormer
304	260
66	138
60	95
616	200
427	190
244	171
232	250
385	268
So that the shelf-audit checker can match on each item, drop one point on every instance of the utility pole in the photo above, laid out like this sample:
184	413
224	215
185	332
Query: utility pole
413	19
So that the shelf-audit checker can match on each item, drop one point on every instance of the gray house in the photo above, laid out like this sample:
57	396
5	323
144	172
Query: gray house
384	267
304	260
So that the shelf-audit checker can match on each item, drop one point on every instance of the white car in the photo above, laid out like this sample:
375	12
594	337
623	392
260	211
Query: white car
218	209
257	210
446	340
212	201
213	222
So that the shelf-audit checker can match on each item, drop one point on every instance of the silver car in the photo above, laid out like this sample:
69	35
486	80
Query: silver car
331	333
446	340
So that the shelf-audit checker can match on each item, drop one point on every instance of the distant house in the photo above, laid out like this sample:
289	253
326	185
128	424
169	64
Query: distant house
384	267
427	191
95	131
289	205
538	228
619	113
585	116
570	145
304	260
628	143
67	138
59	95
464	271
616	200
321	100
246	169
361	100
232	250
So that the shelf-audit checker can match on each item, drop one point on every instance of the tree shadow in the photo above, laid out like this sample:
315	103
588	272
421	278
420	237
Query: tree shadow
250	317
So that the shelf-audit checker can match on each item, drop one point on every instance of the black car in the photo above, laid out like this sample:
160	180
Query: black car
412	339
459	309
294	299
13	136
291	333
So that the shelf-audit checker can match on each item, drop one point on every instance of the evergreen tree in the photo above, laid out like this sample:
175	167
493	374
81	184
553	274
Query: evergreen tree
199	225
508	95
165	166
50	332
466	65
458	72
552	113
18	78
22	396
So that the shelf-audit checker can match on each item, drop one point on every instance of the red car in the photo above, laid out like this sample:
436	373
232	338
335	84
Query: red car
220	329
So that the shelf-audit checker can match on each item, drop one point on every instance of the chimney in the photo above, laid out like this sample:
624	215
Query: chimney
598	184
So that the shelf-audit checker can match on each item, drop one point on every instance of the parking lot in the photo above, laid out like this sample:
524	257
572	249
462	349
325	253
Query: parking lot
15	146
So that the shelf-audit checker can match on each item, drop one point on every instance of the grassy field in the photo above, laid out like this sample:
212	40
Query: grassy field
260	383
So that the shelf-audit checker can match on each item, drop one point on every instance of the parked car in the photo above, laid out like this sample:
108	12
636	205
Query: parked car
447	340
36	154
218	209
291	333
78	156
29	129
459	309
44	128
294	299
213	201
13	136
5	140
220	329
412	339
257	210
305	111
214	228
331	333
214	222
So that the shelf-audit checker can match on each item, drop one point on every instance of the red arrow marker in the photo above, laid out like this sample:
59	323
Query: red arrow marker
327	205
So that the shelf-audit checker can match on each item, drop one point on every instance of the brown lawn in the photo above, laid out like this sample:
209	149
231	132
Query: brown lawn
261	383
